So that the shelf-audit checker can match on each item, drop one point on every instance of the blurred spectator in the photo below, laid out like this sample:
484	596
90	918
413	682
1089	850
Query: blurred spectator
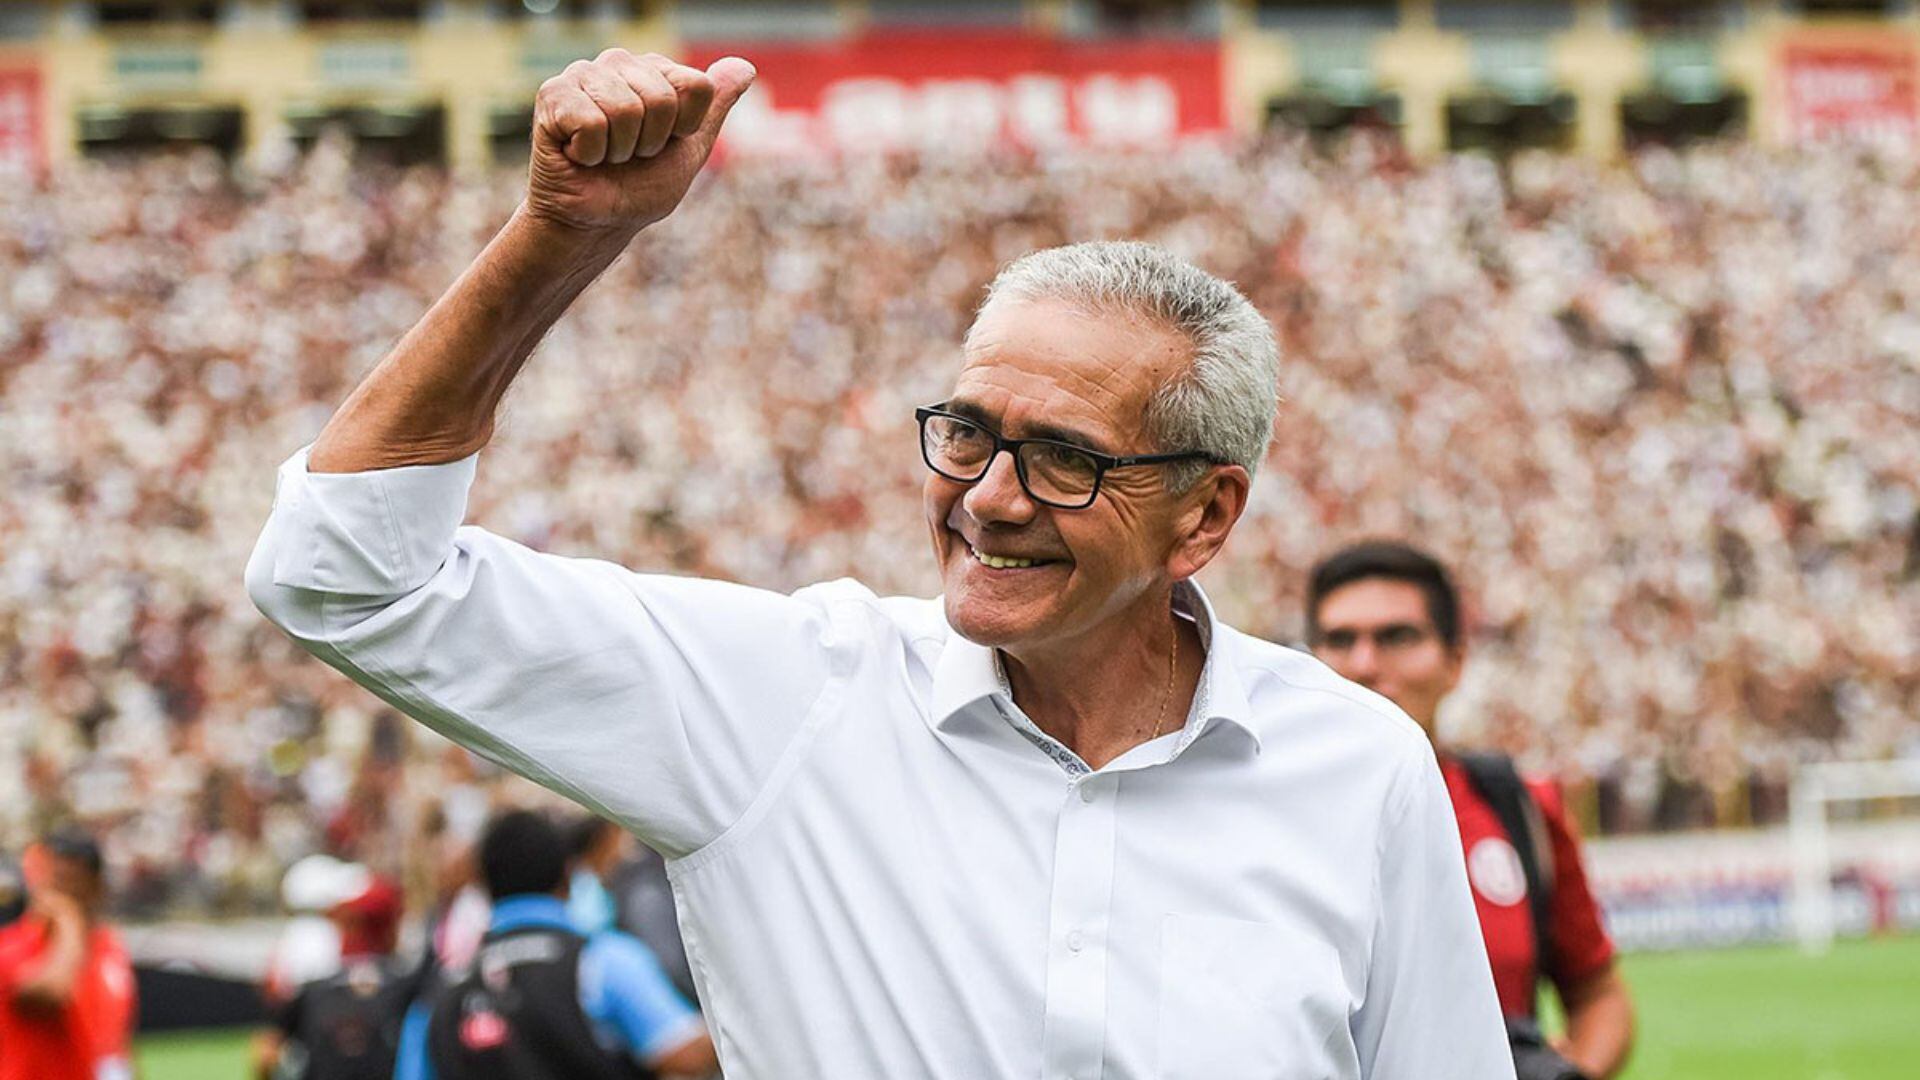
66	985
1665	414
346	1025
618	883
543	1000
598	847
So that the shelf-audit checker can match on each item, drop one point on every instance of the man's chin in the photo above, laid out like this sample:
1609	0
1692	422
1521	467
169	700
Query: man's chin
992	629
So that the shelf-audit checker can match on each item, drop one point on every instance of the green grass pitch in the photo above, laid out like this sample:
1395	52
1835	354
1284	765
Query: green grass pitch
1748	1014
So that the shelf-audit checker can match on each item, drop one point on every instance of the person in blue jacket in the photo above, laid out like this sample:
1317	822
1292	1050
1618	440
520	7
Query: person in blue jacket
543	1000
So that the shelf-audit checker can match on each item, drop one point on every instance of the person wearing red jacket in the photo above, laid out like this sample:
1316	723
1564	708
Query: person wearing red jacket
1387	616
66	984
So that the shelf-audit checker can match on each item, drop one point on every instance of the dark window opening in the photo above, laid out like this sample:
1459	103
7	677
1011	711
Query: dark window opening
510	135
1849	8
1326	14
1672	15
1326	116
1660	119
111	132
1504	16
114	13
573	9
1147	17
326	11
1500	125
388	134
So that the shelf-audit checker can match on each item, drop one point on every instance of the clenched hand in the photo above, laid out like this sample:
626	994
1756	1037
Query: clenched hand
618	140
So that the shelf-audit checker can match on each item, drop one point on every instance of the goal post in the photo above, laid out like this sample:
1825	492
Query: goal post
1816	788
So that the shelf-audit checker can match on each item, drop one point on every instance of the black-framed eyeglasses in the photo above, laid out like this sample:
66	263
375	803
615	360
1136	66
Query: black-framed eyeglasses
1057	474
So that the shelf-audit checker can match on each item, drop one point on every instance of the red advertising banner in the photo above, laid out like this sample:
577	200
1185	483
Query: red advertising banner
1850	89
22	141
972	89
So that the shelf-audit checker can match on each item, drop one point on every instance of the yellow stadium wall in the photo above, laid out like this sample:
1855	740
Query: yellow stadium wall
472	65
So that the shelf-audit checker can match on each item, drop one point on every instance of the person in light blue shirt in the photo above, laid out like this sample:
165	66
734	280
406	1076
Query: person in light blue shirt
626	1000
599	847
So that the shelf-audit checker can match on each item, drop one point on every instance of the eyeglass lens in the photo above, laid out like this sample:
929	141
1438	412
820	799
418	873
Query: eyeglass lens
1052	472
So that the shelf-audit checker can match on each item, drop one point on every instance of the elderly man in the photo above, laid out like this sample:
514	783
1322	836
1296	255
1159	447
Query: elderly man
1061	822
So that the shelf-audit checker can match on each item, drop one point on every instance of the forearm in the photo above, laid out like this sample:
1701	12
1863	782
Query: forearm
1600	1027
51	985
432	399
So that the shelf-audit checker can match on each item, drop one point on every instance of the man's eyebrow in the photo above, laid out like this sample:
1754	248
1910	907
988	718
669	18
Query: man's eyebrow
1037	430
1373	631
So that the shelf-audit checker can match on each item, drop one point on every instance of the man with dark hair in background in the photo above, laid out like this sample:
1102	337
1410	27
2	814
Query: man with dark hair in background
66	985
545	1003
1387	616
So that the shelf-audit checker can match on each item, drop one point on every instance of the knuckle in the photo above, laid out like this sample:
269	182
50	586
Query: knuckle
578	68
581	116
613	55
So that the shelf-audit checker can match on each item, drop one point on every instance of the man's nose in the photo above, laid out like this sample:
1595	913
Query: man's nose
1363	663
998	496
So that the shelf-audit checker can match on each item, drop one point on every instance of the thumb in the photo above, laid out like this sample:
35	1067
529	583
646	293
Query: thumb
731	77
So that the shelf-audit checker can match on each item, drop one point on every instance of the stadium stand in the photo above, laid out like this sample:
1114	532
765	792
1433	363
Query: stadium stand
1641	403
1666	402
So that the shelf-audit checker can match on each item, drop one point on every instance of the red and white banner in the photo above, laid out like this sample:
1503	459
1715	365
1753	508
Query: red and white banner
22	138
1850	89
970	90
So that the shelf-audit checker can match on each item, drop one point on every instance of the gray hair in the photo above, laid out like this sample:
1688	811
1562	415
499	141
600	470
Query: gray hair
1224	402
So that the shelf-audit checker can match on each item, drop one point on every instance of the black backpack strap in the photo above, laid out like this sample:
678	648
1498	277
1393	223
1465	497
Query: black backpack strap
1498	782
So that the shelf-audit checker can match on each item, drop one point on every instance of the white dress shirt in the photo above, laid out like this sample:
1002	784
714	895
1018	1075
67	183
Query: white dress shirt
884	869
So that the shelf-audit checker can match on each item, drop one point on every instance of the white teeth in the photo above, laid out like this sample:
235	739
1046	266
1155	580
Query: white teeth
999	563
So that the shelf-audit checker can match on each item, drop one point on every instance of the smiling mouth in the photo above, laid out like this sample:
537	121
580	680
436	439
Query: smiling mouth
1001	562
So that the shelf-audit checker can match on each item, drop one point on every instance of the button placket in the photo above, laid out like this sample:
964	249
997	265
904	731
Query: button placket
1073	1042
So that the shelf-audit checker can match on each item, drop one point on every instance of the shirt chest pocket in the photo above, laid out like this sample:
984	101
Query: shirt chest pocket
1246	1001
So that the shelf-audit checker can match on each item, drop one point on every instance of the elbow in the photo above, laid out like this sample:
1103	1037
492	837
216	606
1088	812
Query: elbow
270	598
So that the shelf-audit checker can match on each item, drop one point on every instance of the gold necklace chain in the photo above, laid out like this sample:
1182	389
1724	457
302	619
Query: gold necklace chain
1173	665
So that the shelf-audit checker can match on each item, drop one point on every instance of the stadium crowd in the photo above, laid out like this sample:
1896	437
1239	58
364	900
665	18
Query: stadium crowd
1663	416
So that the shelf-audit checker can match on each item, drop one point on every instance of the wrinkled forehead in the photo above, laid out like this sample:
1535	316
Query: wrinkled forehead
1033	360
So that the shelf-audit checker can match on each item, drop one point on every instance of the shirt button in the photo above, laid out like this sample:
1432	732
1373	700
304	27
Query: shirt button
1076	941
1087	792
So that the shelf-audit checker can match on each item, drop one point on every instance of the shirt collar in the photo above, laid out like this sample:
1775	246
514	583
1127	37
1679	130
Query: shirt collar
967	673
528	909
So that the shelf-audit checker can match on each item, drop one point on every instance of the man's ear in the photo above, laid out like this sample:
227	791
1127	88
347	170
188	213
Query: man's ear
1207	514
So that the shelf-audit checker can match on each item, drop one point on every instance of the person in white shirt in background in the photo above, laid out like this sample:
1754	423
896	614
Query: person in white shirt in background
1060	822
308	947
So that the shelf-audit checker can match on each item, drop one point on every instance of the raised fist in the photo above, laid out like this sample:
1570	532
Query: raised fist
617	140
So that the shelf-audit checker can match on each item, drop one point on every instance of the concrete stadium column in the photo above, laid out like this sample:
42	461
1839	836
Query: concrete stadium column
254	41
72	62
463	36
1600	65
1255	66
467	131
1422	65
1748	58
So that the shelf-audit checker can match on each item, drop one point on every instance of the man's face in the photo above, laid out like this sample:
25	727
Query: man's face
1046	370
1378	633
50	872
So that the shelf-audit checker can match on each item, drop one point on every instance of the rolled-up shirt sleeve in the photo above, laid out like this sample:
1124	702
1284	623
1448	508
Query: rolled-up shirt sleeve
1429	1011
665	703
